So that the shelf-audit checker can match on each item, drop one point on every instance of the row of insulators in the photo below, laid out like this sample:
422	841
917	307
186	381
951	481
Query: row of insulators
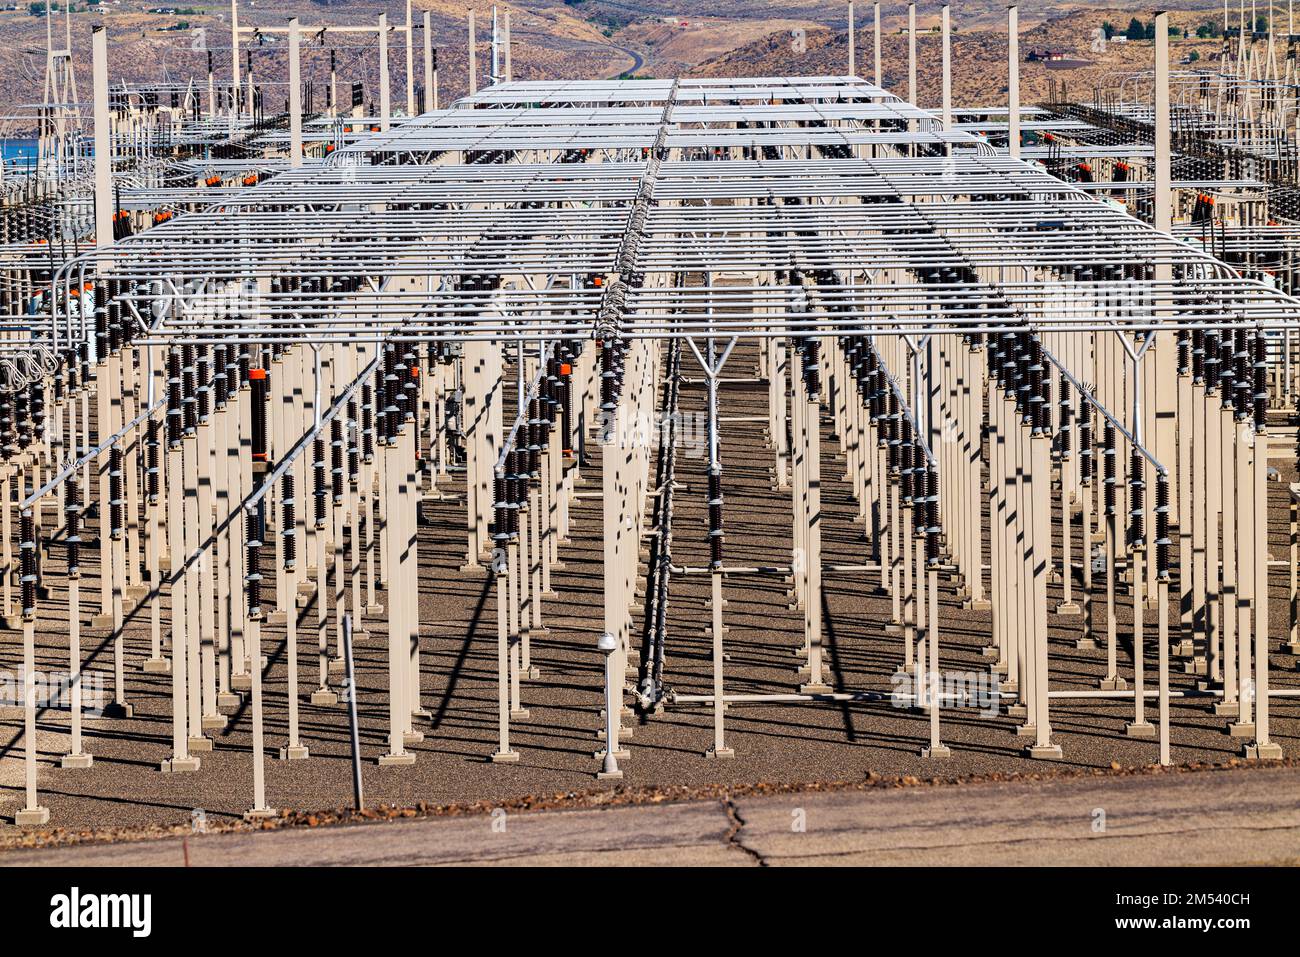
123	226
26	223
918	480
809	349
397	389
551	404
1017	363
1234	364
71	371
115	326
612	355
510	494
918	487
199	383
22	419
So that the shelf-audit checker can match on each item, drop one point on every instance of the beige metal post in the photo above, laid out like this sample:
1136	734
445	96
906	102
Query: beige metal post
853	60
876	42
385	90
410	61
505	39
473	55
295	95
1013	80
234	62
945	29
911	53
430	74
103	143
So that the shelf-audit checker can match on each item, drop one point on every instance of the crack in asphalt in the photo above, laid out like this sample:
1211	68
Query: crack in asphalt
733	833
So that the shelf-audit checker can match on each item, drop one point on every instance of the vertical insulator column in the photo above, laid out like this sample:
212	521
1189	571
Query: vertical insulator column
27	564
189	406
353	450
905	461
115	517
715	516
101	320
36	402
288	521
22	408
1037	404
318	482
253	578
367	424
566	404
933	529
533	431
72	508
513	495
220	378
337	451
1137	498
257	412
1260	366
1109	467
202	384
1085	450
1162	525
501	508
411	383
151	461
390	397
608	389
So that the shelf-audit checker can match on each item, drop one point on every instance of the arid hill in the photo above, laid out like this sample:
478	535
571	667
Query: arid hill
979	57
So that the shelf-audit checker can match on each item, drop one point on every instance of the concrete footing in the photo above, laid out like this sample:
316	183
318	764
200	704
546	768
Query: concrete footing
32	817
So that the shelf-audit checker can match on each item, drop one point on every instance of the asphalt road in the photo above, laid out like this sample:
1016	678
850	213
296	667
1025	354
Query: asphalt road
638	61
1234	817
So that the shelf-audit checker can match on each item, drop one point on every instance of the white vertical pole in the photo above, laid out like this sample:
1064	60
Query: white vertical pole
495	73
410	61
911	53
505	43
853	59
430	75
877	43
234	60
1164	212
295	96
946	26
473	56
103	141
385	94
1013	80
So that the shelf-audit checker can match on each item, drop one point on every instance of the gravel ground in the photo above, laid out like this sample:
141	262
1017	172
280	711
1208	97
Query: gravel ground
774	745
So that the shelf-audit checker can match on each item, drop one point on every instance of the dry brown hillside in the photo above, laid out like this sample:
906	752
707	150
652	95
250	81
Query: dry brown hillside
550	41
979	57
578	38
